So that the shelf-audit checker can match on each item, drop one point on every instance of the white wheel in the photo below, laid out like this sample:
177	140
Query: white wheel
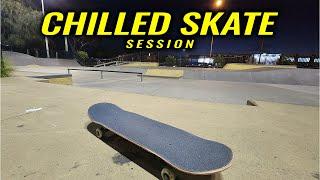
99	133
167	174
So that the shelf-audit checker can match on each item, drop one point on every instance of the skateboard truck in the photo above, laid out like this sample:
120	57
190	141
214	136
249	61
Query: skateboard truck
167	174
98	133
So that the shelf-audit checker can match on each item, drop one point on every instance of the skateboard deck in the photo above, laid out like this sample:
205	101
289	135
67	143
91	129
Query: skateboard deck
182	150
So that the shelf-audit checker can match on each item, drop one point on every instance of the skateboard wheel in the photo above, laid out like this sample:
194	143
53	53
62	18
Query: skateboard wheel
167	174
217	176
99	133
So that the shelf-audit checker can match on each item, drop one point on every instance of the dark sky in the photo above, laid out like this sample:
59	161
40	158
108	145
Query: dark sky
297	28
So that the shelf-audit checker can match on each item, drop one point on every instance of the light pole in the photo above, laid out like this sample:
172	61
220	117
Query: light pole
66	44
45	38
211	46
217	4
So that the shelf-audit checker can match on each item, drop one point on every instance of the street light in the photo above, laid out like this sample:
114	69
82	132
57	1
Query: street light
46	39
216	5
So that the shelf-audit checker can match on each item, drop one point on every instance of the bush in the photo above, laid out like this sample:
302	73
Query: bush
82	57
284	61
220	61
170	61
6	68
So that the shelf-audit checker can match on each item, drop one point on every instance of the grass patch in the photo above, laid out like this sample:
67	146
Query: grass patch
6	68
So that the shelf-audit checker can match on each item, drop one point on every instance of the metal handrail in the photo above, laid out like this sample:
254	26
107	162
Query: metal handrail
111	71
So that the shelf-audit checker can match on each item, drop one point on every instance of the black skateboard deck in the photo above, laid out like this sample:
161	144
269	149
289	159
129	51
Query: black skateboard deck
182	150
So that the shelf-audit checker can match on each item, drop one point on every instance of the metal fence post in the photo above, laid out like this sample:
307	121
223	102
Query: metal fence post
68	71
141	77
101	75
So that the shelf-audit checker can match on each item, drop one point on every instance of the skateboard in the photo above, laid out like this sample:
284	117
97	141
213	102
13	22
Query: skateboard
183	151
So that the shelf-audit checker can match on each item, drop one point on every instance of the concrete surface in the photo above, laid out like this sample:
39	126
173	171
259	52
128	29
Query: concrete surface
269	141
201	90
291	76
20	59
307	77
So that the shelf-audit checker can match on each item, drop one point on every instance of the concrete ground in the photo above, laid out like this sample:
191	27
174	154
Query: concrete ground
200	90
269	141
278	139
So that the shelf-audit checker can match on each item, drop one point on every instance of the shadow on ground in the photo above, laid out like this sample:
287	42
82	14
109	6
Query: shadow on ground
128	152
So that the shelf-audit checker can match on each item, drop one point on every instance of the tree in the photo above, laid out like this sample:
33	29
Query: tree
170	61
20	24
81	42
82	57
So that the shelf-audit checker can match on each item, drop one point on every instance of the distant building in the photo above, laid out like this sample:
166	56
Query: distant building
200	61
290	59
304	60
264	58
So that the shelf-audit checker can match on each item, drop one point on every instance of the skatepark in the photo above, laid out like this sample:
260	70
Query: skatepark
276	137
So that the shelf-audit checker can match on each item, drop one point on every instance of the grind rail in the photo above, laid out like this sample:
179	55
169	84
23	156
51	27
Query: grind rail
110	71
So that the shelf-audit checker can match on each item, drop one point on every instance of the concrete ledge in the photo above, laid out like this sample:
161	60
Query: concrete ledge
141	64
165	73
64	79
165	77
53	76
239	66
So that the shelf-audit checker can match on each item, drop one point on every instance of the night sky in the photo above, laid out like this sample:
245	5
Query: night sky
297	28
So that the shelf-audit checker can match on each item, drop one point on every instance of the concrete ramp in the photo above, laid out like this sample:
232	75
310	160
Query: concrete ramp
20	59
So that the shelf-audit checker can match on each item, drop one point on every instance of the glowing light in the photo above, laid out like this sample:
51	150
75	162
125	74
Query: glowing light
218	3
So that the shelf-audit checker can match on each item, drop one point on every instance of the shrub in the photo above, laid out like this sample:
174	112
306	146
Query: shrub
6	68
220	61
82	57
170	61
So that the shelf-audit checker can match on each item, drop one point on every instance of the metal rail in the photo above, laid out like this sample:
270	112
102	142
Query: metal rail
111	63
110	71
